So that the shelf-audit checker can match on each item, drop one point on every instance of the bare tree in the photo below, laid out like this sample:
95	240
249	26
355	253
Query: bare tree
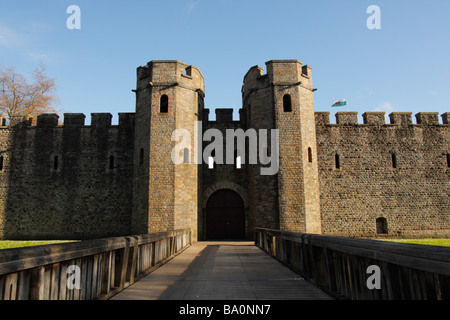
19	97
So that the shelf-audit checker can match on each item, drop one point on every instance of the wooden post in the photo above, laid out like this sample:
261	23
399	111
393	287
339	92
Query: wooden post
37	283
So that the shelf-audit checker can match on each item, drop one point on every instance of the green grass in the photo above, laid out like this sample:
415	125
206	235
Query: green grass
19	244
432	242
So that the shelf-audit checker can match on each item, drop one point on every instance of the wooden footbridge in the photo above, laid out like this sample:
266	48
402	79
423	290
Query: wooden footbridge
277	265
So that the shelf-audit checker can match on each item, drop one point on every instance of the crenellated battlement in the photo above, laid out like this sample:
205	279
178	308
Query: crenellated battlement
378	118
71	120
224	116
167	73
279	73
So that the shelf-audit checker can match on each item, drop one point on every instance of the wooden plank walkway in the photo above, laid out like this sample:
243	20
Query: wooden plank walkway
222	271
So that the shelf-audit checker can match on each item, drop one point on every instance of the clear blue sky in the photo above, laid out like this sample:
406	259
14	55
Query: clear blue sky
405	66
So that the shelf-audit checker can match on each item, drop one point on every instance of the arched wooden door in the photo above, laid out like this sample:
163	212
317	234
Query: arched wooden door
225	216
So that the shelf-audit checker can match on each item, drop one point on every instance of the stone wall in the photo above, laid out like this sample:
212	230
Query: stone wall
66	182
395	171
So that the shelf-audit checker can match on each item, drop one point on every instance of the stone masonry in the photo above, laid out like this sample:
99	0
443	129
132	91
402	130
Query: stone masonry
78	181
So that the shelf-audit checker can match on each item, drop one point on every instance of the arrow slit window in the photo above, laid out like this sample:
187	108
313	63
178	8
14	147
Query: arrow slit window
287	103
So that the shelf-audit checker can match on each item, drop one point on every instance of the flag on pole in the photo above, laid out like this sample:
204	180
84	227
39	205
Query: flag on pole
340	103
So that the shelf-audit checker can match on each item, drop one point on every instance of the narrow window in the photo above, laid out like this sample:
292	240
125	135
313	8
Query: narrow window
448	160
382	227
164	104
111	162
211	159
186	156
337	161
1	163
3	122
55	163
237	160
394	161
210	163
287	104
310	155
141	156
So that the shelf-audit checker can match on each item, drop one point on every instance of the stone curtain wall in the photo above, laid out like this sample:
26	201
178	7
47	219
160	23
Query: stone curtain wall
413	198
66	182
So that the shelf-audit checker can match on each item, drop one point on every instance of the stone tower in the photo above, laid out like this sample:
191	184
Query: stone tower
169	96
283	99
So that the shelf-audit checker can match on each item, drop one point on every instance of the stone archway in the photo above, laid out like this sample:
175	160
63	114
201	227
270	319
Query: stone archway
225	216
224	212
224	185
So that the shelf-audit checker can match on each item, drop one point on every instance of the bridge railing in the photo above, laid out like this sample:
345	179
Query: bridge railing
86	270
362	269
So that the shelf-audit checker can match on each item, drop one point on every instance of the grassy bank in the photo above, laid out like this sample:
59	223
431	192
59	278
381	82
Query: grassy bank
19	244
432	242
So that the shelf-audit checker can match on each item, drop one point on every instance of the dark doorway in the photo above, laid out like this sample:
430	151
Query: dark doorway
225	216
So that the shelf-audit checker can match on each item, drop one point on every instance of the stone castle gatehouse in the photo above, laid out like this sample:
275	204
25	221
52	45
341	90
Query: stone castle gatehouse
78	181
